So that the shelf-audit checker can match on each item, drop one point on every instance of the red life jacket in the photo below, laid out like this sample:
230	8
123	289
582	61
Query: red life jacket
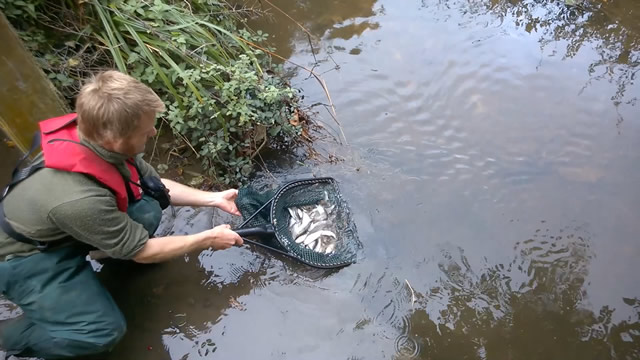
62	151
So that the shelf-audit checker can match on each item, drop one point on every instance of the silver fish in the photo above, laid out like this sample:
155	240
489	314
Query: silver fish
321	225
301	227
330	248
319	245
329	209
301	238
316	235
318	214
294	215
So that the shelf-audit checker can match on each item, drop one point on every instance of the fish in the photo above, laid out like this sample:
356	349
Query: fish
318	226
329	209
301	227
312	245
318	214
310	226
316	235
330	248
294	214
301	238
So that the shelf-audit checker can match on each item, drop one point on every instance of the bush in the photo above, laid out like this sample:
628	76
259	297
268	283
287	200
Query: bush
223	95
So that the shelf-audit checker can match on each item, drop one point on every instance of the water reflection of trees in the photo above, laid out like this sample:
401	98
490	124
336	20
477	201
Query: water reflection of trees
533	308
320	18
611	27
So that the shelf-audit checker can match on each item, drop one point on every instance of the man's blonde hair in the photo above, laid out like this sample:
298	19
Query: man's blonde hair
111	105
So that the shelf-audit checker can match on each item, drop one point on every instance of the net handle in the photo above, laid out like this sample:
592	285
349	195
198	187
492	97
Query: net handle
257	212
293	257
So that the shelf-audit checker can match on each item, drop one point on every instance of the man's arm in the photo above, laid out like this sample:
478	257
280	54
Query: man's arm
97	221
163	248
182	195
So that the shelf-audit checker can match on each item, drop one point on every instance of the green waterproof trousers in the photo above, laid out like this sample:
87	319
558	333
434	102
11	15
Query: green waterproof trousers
67	311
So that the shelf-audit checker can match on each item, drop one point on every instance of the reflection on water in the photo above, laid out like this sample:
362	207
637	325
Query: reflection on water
611	27
338	19
534	307
495	196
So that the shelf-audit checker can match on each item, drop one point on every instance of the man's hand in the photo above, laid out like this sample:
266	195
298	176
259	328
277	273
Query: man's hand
221	237
182	195
168	247
226	201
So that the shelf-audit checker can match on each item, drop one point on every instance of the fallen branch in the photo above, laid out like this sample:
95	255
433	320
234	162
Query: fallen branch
413	295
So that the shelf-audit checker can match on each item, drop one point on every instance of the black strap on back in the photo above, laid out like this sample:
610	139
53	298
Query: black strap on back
130	195
20	174
17	176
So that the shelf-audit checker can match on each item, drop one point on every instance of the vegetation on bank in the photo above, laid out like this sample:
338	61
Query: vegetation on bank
225	99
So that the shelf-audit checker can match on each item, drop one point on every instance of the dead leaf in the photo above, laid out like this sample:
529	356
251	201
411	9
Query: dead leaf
260	134
236	304
73	62
196	181
295	119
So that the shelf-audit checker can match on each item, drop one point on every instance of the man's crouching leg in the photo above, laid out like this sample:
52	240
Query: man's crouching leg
67	312
25	338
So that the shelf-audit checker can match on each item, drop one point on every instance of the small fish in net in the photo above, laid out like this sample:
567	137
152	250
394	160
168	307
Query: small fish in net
313	226
307	219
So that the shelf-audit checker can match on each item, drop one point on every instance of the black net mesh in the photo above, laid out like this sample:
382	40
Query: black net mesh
296	194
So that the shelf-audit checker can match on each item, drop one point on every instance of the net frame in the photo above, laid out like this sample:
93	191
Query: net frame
301	193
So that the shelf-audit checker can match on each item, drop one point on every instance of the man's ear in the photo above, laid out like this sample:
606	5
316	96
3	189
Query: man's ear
111	144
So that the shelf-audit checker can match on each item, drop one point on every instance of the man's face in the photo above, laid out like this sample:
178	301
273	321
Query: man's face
135	143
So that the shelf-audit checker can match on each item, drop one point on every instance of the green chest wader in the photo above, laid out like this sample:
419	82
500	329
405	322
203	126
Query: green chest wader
146	211
67	311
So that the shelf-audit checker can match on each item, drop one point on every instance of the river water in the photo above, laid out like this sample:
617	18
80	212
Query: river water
490	164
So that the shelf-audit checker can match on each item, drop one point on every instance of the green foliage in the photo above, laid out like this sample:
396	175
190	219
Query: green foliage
233	121
219	95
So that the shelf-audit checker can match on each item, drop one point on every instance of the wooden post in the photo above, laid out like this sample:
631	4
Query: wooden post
26	94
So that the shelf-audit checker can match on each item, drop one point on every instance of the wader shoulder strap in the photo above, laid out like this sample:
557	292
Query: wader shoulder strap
17	176
132	198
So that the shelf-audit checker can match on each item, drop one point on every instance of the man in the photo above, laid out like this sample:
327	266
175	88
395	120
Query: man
93	190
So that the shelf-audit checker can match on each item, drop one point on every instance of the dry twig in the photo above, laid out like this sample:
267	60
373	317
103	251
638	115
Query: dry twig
318	78
413	295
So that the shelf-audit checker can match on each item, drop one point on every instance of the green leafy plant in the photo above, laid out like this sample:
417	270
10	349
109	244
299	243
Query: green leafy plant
223	95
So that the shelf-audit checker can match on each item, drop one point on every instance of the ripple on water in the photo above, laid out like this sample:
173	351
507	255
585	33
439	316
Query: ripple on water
388	302
548	270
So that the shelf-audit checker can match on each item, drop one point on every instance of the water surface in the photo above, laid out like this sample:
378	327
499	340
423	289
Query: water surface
491	163
492	170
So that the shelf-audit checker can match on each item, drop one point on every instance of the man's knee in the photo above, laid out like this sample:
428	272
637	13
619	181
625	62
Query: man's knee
95	341
98	342
113	331
102	336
